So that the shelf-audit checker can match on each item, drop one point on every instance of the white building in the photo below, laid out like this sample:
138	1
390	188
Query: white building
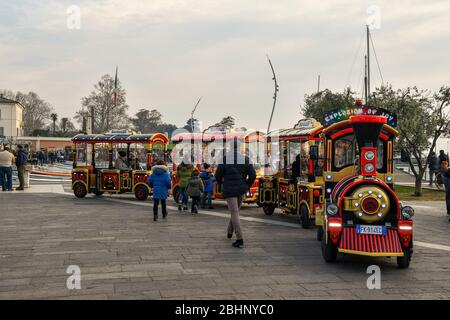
11	121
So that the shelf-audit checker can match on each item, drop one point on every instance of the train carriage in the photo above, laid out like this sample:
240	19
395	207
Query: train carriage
208	147
303	194
94	156
362	215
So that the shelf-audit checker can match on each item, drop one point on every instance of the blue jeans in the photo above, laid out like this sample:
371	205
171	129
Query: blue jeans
183	199
207	194
6	172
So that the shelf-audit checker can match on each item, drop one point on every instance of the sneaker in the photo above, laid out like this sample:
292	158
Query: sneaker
179	207
185	208
164	215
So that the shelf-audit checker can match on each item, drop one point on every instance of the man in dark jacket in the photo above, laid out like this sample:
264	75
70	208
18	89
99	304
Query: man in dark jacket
296	168
447	190
237	175
21	161
442	157
433	166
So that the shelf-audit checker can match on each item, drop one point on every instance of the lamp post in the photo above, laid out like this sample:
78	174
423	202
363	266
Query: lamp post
274	78
192	114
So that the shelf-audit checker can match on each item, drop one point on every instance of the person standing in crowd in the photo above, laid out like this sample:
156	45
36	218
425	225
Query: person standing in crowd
160	182
184	172
194	189
21	161
6	162
433	166
40	157
296	168
446	178
121	161
442	157
208	181
237	175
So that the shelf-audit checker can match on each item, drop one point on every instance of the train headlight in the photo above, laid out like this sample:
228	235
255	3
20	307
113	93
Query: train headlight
369	155
369	167
329	176
389	178
407	212
332	209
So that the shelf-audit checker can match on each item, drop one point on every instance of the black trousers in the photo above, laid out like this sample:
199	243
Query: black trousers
195	202
163	206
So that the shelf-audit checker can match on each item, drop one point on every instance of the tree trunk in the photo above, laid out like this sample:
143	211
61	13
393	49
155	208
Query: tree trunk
418	186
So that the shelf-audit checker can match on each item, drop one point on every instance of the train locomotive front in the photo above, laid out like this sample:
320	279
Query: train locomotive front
363	215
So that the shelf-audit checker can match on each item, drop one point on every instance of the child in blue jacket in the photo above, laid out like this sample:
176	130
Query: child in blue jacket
208	181
160	182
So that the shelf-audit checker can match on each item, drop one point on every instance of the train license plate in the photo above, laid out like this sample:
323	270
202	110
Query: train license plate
377	230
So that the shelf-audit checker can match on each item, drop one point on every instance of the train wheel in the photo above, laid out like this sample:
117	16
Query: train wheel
176	194
319	233
79	190
268	209
141	193
403	262
98	193
304	217
329	250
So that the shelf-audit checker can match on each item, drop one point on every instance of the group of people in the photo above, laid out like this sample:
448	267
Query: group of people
440	164
7	160
123	163
235	176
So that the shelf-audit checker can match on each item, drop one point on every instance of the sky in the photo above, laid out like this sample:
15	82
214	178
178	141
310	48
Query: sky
171	52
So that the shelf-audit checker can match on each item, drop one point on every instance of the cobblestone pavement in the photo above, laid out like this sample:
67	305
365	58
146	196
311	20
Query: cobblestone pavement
123	254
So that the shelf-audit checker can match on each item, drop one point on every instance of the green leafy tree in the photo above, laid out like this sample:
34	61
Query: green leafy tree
318	104
423	118
54	118
192	123
146	121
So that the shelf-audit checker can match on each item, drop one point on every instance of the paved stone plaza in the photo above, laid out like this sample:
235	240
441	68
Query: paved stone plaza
123	254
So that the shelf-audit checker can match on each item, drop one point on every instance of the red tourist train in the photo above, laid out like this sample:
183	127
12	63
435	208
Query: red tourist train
362	215
94	156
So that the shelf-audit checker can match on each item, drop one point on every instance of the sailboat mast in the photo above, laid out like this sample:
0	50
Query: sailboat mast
368	65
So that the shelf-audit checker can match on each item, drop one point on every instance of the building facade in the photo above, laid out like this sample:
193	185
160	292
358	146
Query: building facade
11	118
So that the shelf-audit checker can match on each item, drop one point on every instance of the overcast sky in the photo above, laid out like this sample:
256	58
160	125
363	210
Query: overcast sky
171	52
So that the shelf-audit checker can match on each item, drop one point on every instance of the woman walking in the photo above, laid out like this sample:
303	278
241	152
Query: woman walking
160	182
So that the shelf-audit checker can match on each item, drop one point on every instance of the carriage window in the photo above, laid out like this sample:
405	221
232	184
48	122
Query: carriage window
344	151
81	154
101	155
380	154
157	153
255	152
